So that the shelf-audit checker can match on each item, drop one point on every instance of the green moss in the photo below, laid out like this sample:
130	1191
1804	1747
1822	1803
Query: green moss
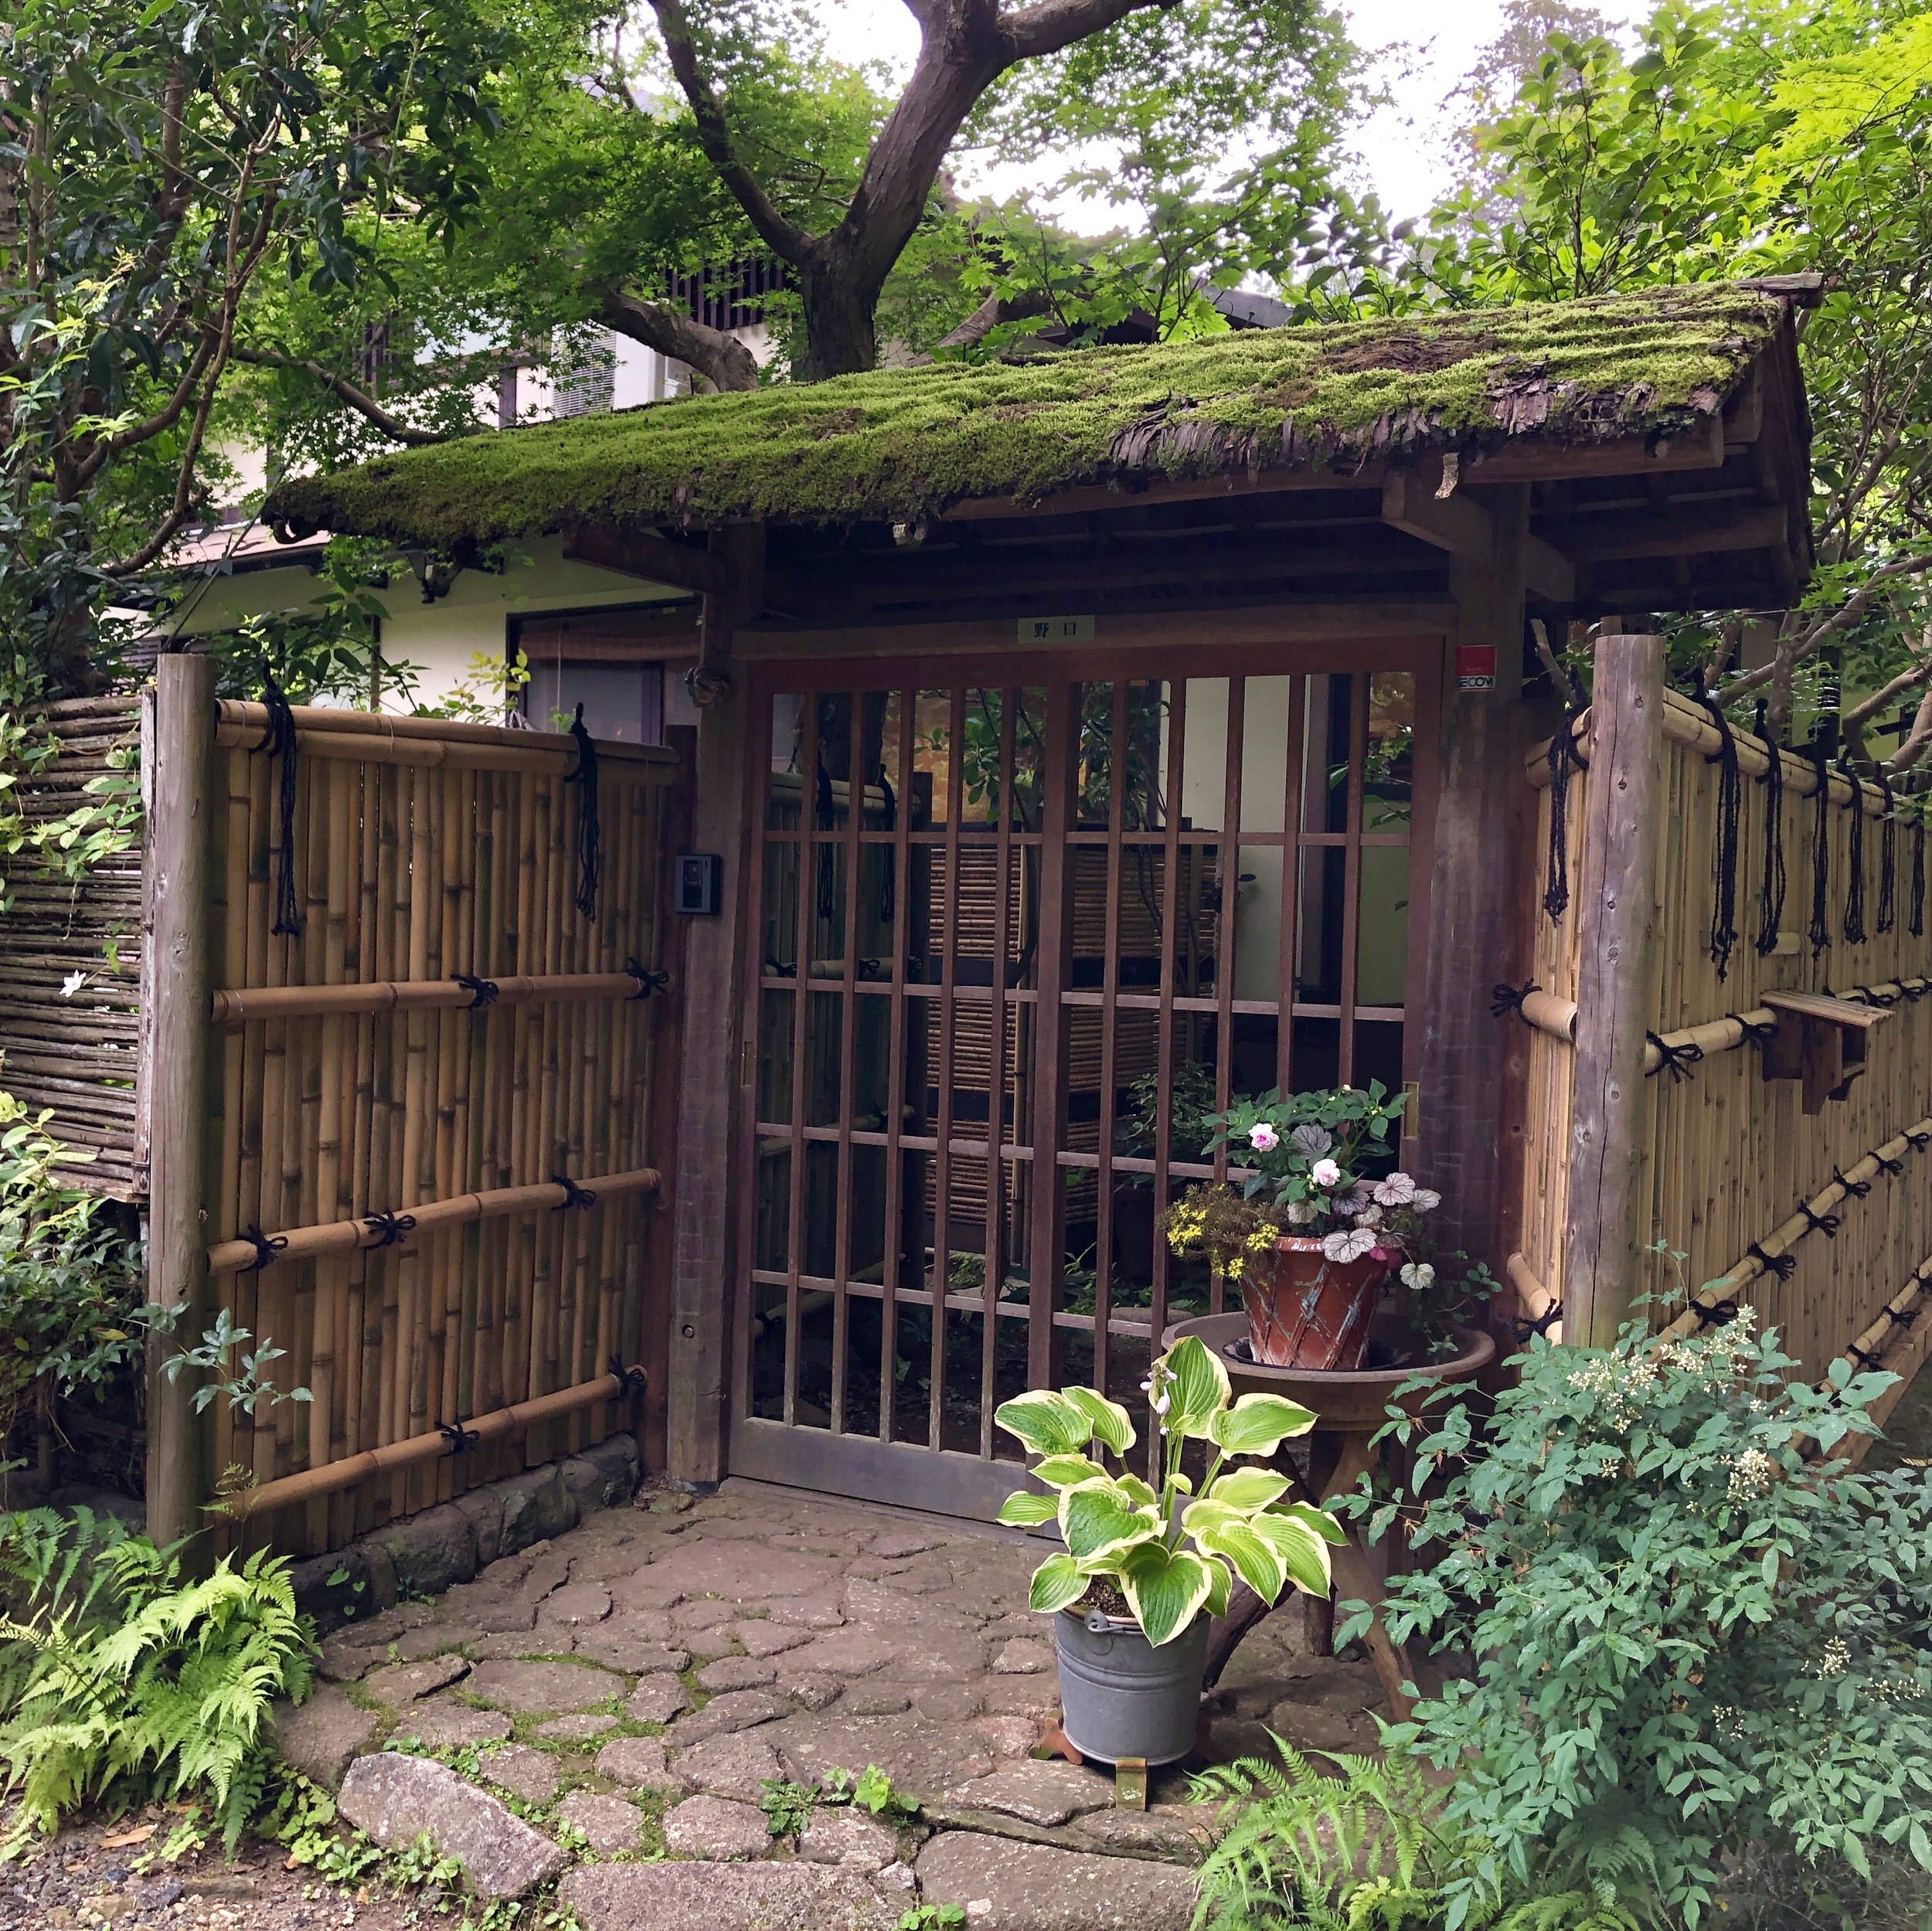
899	443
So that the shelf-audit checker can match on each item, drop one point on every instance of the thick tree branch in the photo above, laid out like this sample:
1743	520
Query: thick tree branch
1918	740
1054	24
344	391
722	359
990	313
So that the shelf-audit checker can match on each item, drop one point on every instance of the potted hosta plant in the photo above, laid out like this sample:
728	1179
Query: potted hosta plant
1144	1569
1313	1228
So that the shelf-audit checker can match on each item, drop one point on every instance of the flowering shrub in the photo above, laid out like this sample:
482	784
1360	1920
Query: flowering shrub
1684	1622
1307	1168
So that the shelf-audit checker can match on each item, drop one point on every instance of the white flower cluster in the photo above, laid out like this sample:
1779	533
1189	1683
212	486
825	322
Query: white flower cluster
1752	1475
1836	1658
1619	1395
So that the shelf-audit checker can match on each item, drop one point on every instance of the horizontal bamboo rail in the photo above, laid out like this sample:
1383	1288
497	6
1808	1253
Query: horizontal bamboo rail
1548	1014
236	1005
1869	1349
330	1477
375	1230
425	754
241	725
1779	1243
1714	1035
1686	724
1538	1302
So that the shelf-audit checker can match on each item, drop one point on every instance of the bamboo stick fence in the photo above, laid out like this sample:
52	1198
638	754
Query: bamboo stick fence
70	955
1820	1220
428	1165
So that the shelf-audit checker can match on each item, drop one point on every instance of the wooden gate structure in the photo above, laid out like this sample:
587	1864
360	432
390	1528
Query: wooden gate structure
1727	1087
407	1010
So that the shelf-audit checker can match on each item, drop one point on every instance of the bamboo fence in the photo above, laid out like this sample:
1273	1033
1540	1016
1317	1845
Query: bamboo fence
1818	1221
415	1096
71	956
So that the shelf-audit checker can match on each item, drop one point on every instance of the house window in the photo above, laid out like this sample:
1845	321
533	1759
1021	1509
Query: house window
621	701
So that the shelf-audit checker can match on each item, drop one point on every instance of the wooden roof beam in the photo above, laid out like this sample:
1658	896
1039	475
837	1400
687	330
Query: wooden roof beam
655	558
1617	538
1456	523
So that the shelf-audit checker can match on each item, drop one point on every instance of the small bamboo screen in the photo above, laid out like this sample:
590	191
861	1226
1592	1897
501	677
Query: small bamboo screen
404	1084
1818	1221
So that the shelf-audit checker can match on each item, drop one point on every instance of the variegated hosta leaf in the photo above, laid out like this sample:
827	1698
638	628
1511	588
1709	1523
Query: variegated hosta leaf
1109	1418
1303	1554
1167	1589
1248	1488
1208	1514
1258	1424
1142	1492
1255	1560
1057	1583
1046	1422
1063	1471
1024	1509
1197	1385
1319	1520
1100	1519
1221	1586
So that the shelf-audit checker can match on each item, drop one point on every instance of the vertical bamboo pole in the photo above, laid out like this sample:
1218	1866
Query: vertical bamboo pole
1616	896
184	730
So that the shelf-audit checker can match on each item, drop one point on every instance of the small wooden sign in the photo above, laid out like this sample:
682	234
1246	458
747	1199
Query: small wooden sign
1055	630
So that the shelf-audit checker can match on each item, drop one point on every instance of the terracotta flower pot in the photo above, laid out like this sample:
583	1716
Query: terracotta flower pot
1305	1310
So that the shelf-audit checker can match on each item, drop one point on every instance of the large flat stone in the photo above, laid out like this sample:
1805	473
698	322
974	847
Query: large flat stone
921	1759
635	1761
576	1730
850	1837
738	1765
442	1723
403	1683
609	1824
736	1710
574	1604
535	1687
635	1655
736	1673
657	1700
1045	1793
717	1828
1008	1886
319	1738
844	1653
728	1897
646	1588
743	1573
523	1772
769	1639
396	1800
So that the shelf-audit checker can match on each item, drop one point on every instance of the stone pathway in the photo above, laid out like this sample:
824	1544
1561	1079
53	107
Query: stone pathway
625	1692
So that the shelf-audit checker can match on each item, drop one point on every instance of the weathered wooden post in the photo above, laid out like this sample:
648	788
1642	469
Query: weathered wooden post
178	837
1616	897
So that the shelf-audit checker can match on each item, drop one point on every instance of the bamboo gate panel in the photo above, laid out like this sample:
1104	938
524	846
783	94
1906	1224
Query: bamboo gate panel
1816	1222
70	953
356	1076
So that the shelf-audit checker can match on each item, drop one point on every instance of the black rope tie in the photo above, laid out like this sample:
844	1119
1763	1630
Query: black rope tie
574	1195
460	1440
779	969
1858	1189
1723	936
388	1228
1820	930
1825	1224
1864	1357
482	991
1783	1266
648	981
1677	1061
1915	923
631	1380
1564	758
1899	1319
279	741
266	1247
1888	912
1892	1167
1757	1032
589	831
1715	1313
1523	1327
1505	998
888	885
1854	932
1919	1140
1771	897
1914	989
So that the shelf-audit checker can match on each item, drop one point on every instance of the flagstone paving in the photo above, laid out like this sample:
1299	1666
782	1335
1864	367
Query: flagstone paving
635	1686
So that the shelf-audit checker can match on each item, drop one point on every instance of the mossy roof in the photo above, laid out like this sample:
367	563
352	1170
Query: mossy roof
898	444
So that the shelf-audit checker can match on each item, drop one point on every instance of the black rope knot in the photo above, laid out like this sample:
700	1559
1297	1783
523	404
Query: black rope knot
1919	1140
266	1247
574	1195
648	980
1523	1326
1888	857
1819	931
1854	932
1771	897
1723	932
1915	919
460	1440
1715	1313
1915	989
1858	1189
388	1228
1757	1032
1506	998
631	1380
1864	1357
1783	1266
590	835
1825	1224
279	741
482	991
1563	758
1888	1166
1902	1318
1677	1061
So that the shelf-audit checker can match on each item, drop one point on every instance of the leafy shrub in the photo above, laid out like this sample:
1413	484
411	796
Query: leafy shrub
1684	1623
122	1681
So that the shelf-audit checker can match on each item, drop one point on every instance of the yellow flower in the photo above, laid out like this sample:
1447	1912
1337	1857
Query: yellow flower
1236	1263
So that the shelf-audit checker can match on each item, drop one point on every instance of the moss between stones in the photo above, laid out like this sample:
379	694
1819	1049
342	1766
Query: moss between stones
899	443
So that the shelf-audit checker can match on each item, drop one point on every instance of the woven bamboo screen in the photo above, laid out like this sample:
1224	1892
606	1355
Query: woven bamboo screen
1817	1221
421	855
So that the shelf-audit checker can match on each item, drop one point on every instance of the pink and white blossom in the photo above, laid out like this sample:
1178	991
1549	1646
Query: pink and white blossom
1263	1137
1324	1173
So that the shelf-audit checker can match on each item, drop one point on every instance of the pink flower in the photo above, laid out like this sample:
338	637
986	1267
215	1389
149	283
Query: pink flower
1263	1137
1324	1173
1380	1253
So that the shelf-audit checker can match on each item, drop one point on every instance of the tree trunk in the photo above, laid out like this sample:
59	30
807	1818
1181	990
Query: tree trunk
840	337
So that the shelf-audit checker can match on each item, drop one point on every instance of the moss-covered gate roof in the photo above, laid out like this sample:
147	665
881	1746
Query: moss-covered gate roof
898	444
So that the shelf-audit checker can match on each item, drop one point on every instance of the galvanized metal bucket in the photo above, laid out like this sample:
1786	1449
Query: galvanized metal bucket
1119	1696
